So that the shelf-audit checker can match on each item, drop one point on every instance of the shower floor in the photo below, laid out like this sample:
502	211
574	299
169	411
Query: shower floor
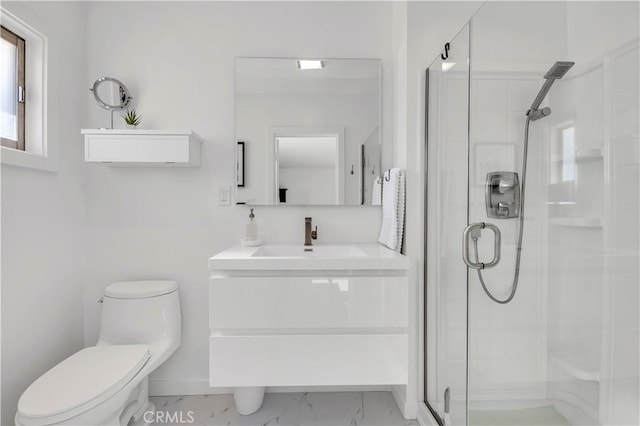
539	416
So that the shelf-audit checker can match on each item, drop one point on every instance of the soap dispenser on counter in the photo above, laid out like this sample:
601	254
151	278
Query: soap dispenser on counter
251	238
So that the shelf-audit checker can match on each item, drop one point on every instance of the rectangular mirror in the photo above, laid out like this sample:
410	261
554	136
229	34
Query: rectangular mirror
310	131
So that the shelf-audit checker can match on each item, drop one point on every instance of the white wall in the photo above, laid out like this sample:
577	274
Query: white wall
399	40
601	264
43	219
507	344
150	223
308	185
617	23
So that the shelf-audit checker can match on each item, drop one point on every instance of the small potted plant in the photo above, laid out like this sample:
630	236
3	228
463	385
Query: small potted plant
132	119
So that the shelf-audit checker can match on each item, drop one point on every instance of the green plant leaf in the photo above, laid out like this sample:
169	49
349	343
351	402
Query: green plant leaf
131	117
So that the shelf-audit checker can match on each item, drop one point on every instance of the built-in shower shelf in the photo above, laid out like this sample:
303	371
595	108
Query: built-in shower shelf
577	222
560	203
589	155
585	156
580	368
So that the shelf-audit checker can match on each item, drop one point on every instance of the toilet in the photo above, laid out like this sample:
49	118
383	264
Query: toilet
108	384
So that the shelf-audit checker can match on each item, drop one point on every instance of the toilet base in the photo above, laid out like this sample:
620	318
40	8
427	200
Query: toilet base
143	418
248	399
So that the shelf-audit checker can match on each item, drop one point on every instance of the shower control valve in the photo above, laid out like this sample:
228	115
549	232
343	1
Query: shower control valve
502	195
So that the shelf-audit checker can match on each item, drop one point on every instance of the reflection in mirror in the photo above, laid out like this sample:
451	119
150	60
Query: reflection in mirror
309	167
312	135
371	182
111	94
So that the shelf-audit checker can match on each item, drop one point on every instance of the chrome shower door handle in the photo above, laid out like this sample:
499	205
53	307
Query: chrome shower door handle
474	231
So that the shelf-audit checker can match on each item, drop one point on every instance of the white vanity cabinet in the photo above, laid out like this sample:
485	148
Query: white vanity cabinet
290	324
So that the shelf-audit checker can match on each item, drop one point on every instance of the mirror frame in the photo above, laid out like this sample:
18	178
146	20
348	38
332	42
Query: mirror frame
127	96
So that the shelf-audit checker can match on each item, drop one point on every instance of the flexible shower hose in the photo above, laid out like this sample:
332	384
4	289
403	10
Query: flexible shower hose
516	274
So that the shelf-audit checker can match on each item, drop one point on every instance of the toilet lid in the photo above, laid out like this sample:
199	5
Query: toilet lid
140	289
82	381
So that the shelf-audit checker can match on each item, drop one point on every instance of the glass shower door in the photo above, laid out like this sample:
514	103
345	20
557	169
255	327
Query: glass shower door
447	104
565	349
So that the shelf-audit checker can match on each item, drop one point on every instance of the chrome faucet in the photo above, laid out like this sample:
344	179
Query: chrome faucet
308	233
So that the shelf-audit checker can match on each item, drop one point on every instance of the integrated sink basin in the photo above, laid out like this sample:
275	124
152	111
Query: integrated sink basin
299	257
337	251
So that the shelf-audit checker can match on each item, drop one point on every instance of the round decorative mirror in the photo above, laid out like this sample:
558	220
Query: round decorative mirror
111	94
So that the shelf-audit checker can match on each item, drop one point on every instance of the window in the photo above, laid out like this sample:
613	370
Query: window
23	94
568	154
563	155
12	90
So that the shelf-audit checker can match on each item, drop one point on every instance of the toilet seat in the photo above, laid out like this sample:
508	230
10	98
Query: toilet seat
140	289
80	382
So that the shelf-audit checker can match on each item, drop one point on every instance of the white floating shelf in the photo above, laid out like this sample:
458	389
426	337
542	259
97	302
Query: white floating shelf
577	367
142	148
578	222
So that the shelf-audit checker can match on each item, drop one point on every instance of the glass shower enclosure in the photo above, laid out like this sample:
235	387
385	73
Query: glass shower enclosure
565	349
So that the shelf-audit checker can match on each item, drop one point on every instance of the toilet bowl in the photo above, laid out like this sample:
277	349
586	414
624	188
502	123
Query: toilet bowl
107	384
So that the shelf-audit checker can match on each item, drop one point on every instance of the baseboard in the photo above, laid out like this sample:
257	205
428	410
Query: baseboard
409	409
517	394
183	387
201	387
508	404
425	418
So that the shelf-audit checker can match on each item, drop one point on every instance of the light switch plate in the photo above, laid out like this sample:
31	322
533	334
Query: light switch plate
224	195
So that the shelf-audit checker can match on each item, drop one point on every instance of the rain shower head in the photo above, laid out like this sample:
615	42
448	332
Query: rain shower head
556	72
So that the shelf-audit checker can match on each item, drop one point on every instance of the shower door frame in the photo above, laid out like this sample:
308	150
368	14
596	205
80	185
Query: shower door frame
425	188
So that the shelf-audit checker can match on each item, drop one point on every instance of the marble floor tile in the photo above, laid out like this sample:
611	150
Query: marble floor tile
284	409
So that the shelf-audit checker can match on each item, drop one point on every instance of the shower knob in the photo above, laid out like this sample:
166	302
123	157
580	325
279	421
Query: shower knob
505	186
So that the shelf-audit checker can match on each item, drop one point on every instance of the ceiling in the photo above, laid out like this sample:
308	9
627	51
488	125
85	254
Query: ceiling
281	75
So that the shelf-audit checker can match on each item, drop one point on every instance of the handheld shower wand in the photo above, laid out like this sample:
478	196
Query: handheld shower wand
557	71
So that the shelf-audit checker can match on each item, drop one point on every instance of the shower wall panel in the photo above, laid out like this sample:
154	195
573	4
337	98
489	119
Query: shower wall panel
507	343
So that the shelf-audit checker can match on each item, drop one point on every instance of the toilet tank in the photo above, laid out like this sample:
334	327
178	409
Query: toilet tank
141	312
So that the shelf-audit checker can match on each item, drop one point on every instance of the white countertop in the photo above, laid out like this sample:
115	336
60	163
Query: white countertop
271	257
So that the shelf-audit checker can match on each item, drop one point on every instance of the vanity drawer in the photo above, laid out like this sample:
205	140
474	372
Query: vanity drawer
307	302
308	360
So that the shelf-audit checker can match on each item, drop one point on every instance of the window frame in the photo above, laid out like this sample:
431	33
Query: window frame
41	152
20	85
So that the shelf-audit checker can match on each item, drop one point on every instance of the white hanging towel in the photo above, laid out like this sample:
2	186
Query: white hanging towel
393	209
376	189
